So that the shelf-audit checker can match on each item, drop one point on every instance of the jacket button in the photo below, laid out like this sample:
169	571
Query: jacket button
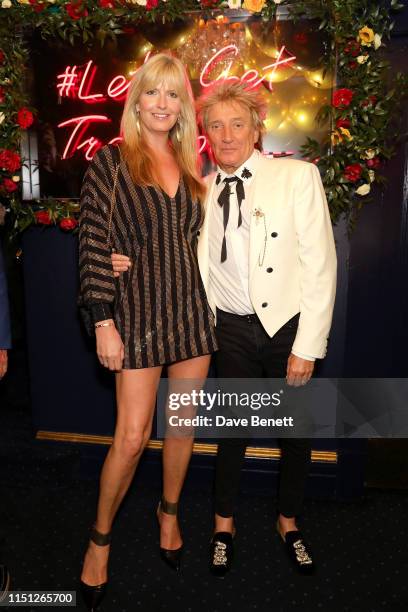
264	305
269	269
274	234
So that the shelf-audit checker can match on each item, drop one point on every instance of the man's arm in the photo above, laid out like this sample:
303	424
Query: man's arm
317	255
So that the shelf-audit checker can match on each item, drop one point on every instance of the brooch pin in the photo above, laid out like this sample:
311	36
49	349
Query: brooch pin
258	214
246	174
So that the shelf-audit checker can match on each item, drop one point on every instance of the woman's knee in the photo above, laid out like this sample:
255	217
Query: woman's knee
131	442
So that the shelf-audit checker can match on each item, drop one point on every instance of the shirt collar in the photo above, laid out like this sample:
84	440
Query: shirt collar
250	164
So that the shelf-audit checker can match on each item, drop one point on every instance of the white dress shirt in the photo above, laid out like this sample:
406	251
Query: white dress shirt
230	279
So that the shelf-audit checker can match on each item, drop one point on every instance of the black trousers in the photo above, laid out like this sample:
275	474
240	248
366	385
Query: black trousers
246	351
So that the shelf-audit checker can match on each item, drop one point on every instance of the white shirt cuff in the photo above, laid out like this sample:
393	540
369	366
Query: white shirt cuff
303	356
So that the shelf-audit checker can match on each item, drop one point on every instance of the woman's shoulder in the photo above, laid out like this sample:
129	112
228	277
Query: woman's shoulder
107	156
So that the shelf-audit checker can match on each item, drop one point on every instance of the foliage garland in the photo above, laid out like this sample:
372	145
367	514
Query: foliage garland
361	113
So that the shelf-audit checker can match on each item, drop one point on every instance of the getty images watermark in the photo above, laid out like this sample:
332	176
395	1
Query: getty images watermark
212	401
269	408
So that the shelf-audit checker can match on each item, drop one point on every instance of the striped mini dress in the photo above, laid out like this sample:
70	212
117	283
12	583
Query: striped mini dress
159	306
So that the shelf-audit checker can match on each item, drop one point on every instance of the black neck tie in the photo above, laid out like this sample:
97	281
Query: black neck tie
224	202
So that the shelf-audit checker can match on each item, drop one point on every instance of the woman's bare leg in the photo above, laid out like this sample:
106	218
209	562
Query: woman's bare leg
135	397
177	450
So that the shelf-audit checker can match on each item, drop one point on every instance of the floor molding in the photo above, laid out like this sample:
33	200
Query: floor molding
199	448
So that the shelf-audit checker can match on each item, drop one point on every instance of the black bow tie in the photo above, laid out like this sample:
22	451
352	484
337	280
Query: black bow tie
224	202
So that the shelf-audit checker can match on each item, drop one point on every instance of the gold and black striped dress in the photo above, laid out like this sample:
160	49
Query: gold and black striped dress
159	305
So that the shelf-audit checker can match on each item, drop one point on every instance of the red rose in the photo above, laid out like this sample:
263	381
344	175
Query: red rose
2	95
69	223
353	65
76	9
9	185
352	48
370	101
151	4
342	98
353	172
343	123
2	57
37	6
24	118
374	162
106	4
43	217
9	160
208	3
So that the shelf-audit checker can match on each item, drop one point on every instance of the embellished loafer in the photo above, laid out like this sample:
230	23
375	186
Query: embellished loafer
298	552
4	582
221	553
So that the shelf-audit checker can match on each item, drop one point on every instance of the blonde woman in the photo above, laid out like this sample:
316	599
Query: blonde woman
143	199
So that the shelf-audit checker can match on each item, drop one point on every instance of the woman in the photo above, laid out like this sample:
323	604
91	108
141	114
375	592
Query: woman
143	200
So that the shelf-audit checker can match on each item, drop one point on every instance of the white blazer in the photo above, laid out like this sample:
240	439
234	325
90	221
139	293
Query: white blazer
288	199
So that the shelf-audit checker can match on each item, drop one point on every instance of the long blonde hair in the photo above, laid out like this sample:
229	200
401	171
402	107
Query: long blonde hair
162	68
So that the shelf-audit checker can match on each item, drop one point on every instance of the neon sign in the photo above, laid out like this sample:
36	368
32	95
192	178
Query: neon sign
75	83
251	77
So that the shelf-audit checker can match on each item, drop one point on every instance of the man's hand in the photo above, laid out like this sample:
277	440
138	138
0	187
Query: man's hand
109	347
3	362
299	371
120	263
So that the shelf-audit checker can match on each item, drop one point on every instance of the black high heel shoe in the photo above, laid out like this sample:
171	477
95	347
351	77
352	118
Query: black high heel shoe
93	595
171	557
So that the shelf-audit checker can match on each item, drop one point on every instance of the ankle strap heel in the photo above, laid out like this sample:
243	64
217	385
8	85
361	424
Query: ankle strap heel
98	538
168	507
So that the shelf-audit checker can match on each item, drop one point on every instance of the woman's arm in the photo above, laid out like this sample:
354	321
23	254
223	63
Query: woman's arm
95	267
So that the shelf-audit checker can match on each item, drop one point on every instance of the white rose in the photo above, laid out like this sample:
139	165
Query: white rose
362	59
369	154
2	117
234	4
15	178
141	2
6	4
277	1
377	41
371	174
363	189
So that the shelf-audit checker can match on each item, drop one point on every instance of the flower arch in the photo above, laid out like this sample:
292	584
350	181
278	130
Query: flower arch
362	110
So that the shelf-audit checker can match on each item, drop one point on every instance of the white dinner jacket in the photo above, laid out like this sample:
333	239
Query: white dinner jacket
290	232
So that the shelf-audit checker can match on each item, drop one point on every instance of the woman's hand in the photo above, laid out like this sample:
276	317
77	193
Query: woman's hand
109	346
3	362
120	263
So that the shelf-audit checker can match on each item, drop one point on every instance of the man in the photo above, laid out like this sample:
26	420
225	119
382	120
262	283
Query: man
5	344
268	263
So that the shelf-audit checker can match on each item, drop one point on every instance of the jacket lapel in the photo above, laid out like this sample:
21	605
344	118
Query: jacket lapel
261	213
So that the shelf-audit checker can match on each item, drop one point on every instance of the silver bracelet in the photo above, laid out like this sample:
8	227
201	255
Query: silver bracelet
103	325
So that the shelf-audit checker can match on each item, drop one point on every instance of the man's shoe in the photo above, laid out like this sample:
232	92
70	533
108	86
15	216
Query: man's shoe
4	582
298	552
221	553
